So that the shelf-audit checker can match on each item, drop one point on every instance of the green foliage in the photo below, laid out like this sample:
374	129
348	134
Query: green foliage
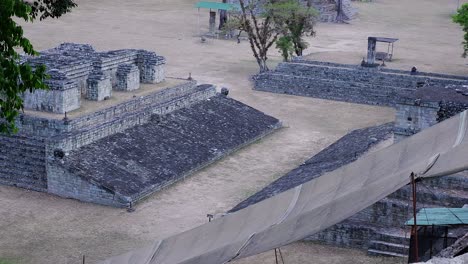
51	8
295	21
4	261
461	17
285	46
16	78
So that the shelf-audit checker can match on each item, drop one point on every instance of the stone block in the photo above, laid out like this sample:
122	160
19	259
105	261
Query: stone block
63	95
99	87
128	77
151	67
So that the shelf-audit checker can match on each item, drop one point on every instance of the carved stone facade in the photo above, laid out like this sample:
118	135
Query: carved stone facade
77	70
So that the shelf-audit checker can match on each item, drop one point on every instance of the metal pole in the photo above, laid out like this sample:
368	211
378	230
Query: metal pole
415	225
432	237
281	255
445	238
391	58
198	23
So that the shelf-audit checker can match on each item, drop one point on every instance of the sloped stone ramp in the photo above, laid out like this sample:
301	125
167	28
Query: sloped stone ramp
127	166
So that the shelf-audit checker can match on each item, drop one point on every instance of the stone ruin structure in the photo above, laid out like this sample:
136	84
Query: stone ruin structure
334	10
420	99
428	106
78	71
329	10
138	142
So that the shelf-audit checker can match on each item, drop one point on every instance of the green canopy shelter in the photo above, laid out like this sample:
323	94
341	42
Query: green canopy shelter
432	236
215	5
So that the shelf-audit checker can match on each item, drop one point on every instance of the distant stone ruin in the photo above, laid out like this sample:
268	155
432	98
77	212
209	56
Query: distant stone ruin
113	129
334	10
328	10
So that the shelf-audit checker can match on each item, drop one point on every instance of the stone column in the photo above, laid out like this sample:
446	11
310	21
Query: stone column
212	22
99	86
371	50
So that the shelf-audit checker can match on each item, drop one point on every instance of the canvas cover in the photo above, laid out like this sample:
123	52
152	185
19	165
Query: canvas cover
313	206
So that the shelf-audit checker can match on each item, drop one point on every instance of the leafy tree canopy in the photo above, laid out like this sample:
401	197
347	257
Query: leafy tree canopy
461	17
17	78
267	22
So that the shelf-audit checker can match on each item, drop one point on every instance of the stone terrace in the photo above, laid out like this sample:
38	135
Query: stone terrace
349	83
144	159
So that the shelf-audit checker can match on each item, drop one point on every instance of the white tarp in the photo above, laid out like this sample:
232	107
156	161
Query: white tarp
317	204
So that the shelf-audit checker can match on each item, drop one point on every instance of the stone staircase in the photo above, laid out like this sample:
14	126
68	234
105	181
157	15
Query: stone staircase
389	244
22	162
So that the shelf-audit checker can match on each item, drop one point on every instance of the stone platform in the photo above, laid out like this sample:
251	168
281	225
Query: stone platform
349	83
117	151
141	160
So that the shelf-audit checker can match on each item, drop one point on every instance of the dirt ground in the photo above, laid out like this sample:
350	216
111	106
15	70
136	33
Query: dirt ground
38	228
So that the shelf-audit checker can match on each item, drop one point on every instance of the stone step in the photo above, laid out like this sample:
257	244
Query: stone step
354	75
388	213
374	252
6	152
356	66
435	196
328	89
393	235
23	169
457	181
389	247
135	106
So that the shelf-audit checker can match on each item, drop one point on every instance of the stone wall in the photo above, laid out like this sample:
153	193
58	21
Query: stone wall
22	162
42	127
65	184
80	138
412	118
53	100
428	106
